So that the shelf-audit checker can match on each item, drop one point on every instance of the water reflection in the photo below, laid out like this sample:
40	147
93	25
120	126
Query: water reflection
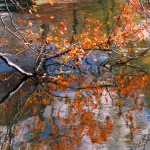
81	109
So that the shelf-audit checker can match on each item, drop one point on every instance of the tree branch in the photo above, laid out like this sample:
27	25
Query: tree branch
26	44
8	62
13	91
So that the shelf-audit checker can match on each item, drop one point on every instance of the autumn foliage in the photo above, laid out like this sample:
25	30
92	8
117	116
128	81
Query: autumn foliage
63	74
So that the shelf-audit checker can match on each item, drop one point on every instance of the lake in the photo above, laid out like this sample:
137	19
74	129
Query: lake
89	105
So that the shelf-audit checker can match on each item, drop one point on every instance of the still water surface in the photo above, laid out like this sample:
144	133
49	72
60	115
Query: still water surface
48	127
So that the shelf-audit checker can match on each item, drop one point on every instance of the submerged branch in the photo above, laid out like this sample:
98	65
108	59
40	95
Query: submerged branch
13	91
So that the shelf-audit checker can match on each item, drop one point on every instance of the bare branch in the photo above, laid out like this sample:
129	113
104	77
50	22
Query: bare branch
8	62
26	44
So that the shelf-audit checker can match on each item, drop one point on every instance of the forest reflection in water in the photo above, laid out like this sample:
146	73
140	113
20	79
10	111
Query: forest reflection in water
90	106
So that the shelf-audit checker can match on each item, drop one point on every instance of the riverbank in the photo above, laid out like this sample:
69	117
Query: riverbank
40	2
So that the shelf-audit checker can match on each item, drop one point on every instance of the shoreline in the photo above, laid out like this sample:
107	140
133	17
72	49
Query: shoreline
41	2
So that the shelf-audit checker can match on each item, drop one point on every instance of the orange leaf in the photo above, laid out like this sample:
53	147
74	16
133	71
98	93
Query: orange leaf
51	17
37	15
4	107
51	2
3	41
45	101
34	110
120	101
30	24
21	21
106	99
